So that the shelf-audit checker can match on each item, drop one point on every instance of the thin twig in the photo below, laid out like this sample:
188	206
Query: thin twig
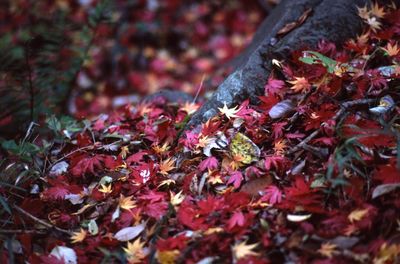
303	142
69	154
344	107
21	231
40	221
199	89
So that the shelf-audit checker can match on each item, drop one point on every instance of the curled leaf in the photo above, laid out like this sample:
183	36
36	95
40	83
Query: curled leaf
297	218
281	109
384	189
385	105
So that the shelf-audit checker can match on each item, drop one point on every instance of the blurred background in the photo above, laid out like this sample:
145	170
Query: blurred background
86	57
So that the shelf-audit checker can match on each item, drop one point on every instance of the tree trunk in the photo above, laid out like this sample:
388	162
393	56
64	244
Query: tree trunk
334	21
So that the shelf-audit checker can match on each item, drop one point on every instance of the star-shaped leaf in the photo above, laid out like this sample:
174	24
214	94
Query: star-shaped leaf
243	250
229	112
78	236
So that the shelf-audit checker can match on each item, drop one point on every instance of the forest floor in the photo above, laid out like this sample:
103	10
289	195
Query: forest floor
309	175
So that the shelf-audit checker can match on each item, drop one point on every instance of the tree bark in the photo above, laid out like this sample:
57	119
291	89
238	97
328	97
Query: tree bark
334	21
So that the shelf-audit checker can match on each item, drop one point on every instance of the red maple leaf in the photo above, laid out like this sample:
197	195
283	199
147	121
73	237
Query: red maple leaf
276	162
388	173
274	86
54	193
235	178
272	195
277	129
237	219
87	165
209	163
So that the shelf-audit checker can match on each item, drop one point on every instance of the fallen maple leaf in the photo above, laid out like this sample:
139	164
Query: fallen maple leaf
328	250
167	256
124	151
177	199
78	236
391	49
161	149
166	166
357	215
272	195
135	252
189	108
88	164
274	86
126	202
237	219
105	188
279	147
236	178
243	250
374	23
229	112
378	11
300	84
363	12
210	163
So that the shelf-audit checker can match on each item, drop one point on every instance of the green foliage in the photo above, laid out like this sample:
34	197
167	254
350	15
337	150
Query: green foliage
39	62
313	57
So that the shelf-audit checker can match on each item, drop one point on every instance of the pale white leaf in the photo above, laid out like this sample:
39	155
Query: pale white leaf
281	109
59	168
129	233
93	228
297	218
66	254
384	189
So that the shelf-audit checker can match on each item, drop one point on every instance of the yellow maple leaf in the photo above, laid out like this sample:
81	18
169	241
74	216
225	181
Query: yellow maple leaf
243	250
167	256
105	188
357	215
78	236
363	12
166	166
166	182
214	179
328	250
161	149
144	109
350	230
177	199
300	84
279	147
391	50
388	254
126	202
135	252
204	141
213	230
229	112
124	152
378	11
189	108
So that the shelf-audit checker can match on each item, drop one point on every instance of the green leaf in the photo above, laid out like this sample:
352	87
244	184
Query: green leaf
10	145
54	124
